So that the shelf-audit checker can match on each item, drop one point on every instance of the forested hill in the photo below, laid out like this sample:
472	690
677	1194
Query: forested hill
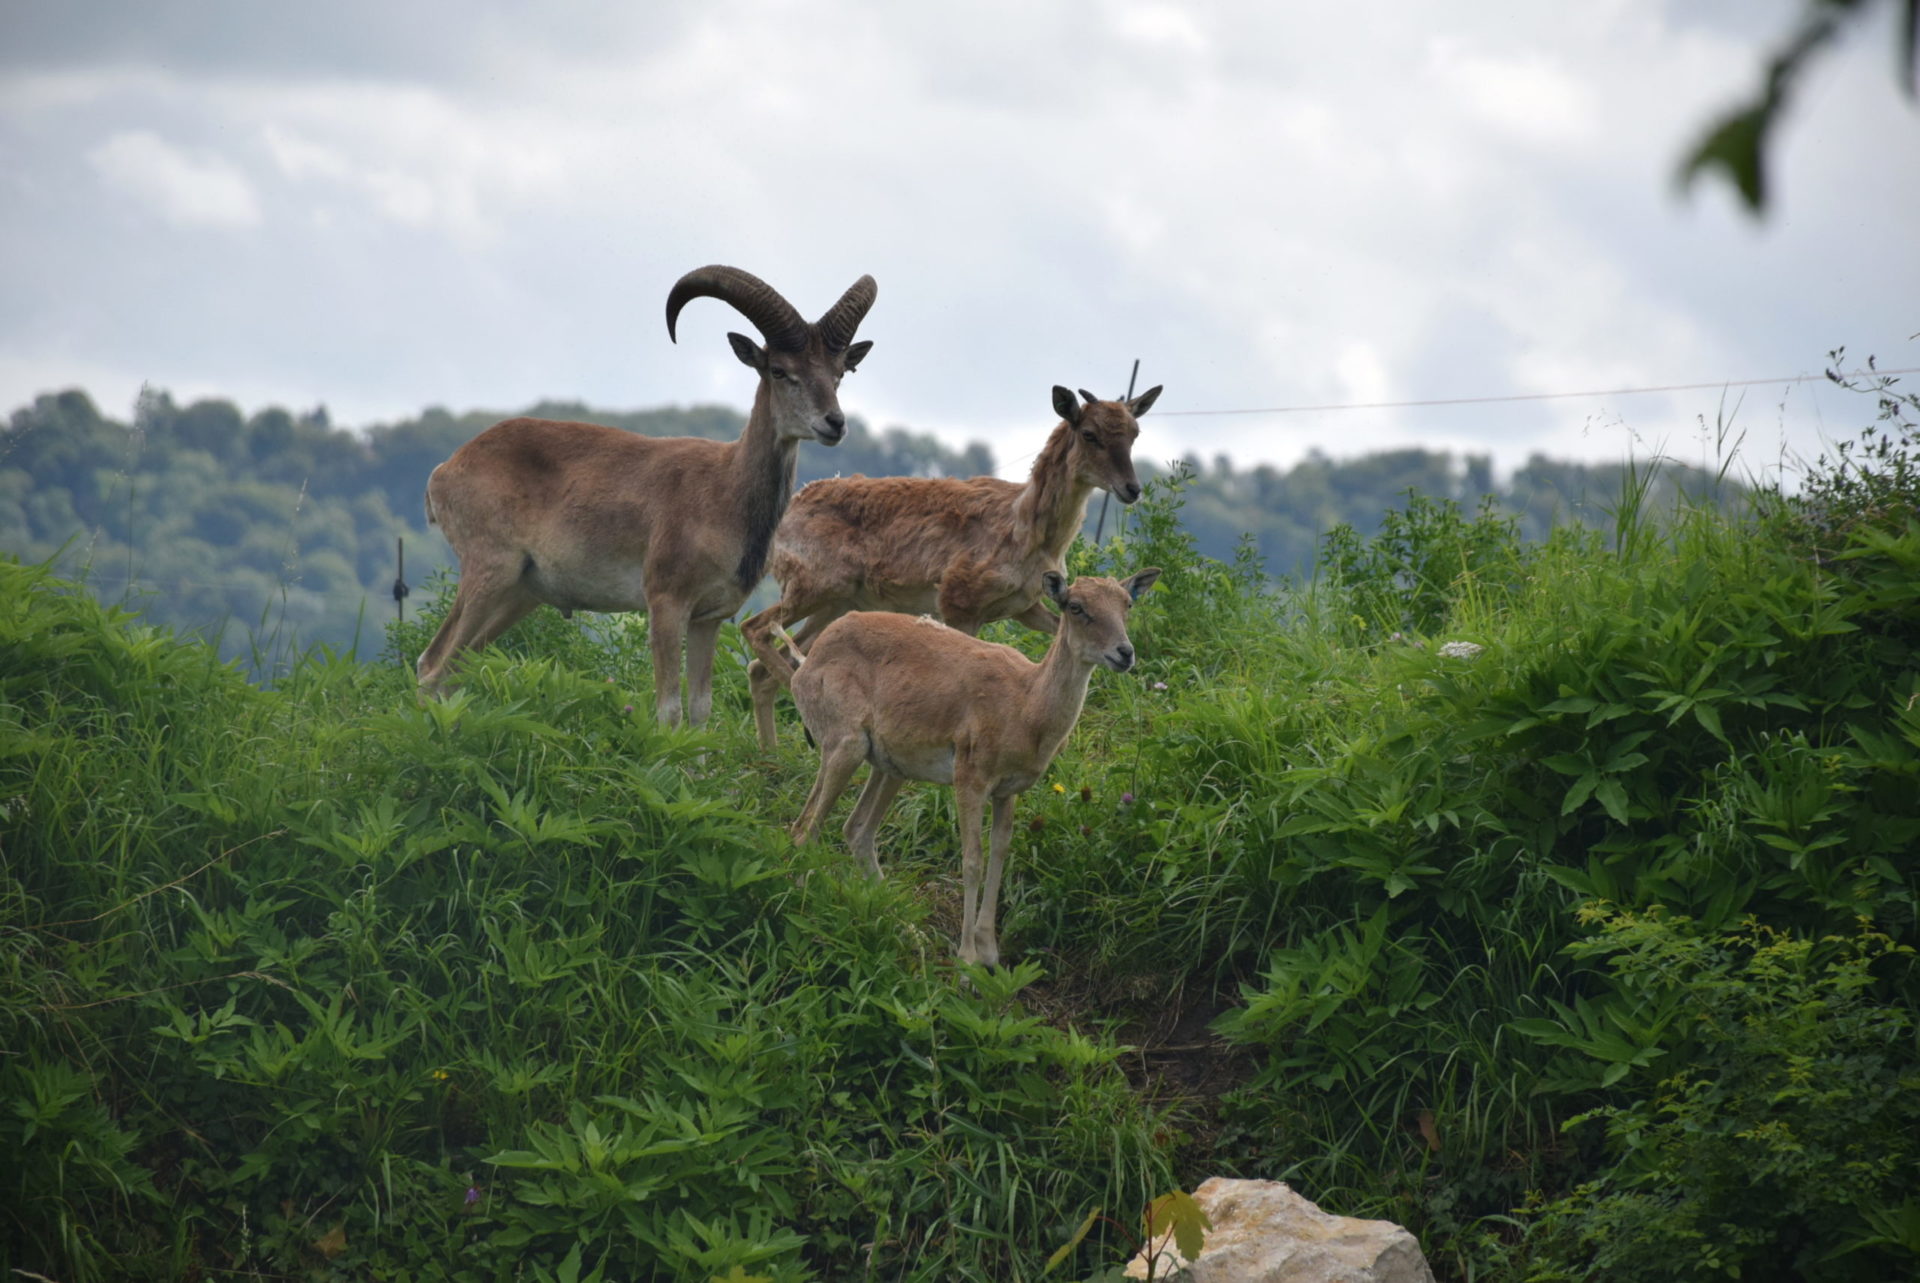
1289	510
284	526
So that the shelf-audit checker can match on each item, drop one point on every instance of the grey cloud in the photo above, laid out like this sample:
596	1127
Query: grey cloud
431	40
484	205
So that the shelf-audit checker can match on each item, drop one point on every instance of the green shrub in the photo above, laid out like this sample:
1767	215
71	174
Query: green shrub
324	981
1782	1140
1425	560
1871	483
1377	844
1201	611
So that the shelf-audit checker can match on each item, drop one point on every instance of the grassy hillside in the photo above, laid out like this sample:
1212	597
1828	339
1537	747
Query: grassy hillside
1556	899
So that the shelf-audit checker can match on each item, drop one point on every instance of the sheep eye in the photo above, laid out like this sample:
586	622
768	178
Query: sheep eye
1089	438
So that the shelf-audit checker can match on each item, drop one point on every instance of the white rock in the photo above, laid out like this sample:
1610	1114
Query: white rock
1263	1232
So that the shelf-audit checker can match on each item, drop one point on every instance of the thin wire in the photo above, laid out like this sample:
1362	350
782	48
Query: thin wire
148	586
1529	396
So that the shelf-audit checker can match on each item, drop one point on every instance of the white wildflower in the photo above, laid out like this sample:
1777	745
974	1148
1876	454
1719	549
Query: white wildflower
1461	649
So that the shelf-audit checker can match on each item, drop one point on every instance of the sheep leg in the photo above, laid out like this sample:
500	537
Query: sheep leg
839	759
489	600
986	942
758	631
970	805
770	669
703	638
666	637
765	689
863	826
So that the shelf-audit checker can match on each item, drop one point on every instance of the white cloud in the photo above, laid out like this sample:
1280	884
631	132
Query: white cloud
409	156
1528	96
1363	375
1162	25
300	157
188	189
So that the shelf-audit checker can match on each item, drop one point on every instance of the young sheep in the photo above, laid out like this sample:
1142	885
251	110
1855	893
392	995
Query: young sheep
918	700
969	551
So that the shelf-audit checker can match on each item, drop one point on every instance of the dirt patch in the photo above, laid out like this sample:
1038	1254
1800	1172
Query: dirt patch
1175	1062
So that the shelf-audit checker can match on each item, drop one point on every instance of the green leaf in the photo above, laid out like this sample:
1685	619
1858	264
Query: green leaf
1614	798
1576	704
1565	763
1189	1226
1541	1029
1578	794
1066	1249
1736	147
1186	1219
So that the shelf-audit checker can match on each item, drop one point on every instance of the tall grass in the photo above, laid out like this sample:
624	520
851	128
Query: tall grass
1369	823
318	979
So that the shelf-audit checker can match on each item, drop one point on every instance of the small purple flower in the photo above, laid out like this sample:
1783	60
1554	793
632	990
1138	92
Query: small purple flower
473	1195
626	708
1126	799
1159	686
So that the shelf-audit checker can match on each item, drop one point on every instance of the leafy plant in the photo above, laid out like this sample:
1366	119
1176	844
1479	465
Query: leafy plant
1869	484
1171	1223
1784	1137
1425	559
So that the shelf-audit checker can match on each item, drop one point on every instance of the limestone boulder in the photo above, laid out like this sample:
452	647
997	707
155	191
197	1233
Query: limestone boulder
1263	1232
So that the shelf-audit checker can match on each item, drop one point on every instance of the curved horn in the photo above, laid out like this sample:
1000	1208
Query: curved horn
1091	398
779	323
839	322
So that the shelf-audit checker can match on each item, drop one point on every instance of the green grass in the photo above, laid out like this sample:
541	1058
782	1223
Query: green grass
314	981
281	963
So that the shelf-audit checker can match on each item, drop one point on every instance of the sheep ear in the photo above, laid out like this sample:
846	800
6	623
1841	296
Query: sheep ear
751	354
1144	402
1090	397
856	354
1056	585
1140	581
1065	406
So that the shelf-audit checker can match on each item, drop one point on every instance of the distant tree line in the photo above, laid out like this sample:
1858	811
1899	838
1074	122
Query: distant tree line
280	528
1288	511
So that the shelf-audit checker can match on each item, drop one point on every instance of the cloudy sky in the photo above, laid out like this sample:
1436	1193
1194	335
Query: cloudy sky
381	207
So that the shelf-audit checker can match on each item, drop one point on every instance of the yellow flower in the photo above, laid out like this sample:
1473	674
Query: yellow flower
440	1075
1059	788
